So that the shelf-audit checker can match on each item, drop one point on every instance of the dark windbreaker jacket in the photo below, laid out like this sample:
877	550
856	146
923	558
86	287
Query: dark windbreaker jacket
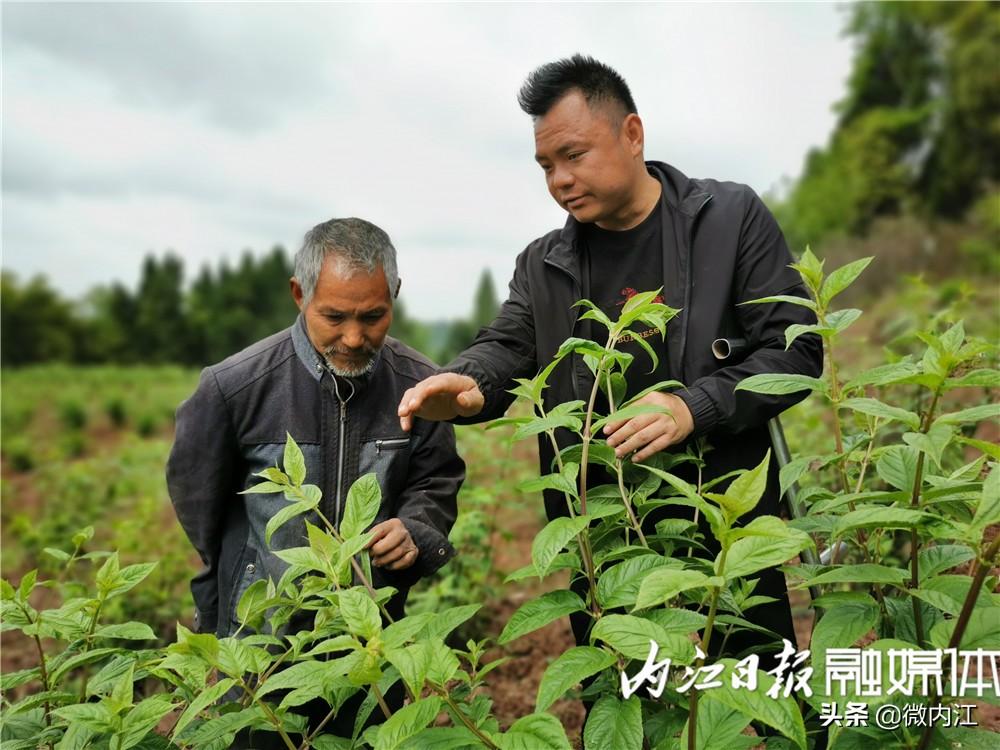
235	425
721	247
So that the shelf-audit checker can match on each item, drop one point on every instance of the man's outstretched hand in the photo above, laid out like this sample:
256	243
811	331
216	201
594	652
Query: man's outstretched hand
440	397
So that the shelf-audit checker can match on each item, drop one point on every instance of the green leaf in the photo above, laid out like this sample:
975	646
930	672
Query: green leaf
363	501
274	474
942	557
863	573
550	422
754	553
986	448
933	442
571	667
630	635
142	719
94	716
58	554
360	613
263	488
897	467
981	631
841	627
551	540
976	378
563	481
401	631
574	345
78	660
842	278
133	631
875	516
537	613
618	586
223	728
720	726
790	299
876	408
294	462
664	584
286	514
972	414
778	713
535	732
884	375
988	510
563	561
778	384
444	664
448	620
745	491
129	577
413	663
203	700
614	723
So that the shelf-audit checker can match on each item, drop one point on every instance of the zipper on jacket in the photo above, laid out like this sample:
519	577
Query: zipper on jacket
390	444
340	449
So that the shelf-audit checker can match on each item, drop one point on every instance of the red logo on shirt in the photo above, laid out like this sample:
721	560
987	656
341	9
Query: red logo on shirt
628	293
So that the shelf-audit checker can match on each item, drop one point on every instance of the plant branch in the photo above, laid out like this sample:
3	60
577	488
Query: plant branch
986	563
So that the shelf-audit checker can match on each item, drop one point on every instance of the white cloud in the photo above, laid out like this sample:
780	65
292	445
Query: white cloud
210	128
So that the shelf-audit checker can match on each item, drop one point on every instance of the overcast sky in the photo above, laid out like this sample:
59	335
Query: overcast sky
209	129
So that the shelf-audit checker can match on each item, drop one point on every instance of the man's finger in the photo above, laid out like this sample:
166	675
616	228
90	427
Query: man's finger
631	427
640	439
406	560
661	443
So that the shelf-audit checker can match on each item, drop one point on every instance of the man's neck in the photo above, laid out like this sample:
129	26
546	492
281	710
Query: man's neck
646	198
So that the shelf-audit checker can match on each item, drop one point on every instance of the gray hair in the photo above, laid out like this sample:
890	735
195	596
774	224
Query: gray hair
357	245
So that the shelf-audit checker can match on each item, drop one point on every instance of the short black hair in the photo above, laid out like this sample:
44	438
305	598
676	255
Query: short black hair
599	83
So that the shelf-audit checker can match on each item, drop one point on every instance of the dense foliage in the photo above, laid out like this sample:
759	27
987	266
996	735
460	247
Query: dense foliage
907	500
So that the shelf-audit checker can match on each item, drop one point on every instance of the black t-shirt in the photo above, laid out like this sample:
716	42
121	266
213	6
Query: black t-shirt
618	265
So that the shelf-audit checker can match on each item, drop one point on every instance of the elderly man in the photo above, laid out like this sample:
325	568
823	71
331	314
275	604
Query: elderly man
332	381
639	225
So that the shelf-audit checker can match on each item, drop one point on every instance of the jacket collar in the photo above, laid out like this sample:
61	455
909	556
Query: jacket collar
316	366
680	194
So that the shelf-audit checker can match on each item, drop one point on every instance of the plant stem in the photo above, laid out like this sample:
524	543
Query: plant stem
381	702
620	471
918	480
705	643
271	717
87	643
986	563
465	719
43	671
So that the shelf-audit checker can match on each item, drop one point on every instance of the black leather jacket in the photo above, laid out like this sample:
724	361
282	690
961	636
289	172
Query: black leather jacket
721	247
235	425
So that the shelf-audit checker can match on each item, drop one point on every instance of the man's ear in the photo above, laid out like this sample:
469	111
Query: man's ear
399	284
296	289
633	131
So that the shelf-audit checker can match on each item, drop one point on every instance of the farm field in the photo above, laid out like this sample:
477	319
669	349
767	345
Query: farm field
84	451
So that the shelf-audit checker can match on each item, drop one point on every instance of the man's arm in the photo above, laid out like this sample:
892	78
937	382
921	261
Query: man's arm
426	508
502	351
200	482
761	271
711	402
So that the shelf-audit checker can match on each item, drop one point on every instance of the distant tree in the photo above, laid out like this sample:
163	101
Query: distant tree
484	310
918	129
161	332
408	330
36	324
486	305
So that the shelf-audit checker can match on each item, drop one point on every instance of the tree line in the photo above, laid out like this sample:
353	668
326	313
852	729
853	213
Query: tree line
163	320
